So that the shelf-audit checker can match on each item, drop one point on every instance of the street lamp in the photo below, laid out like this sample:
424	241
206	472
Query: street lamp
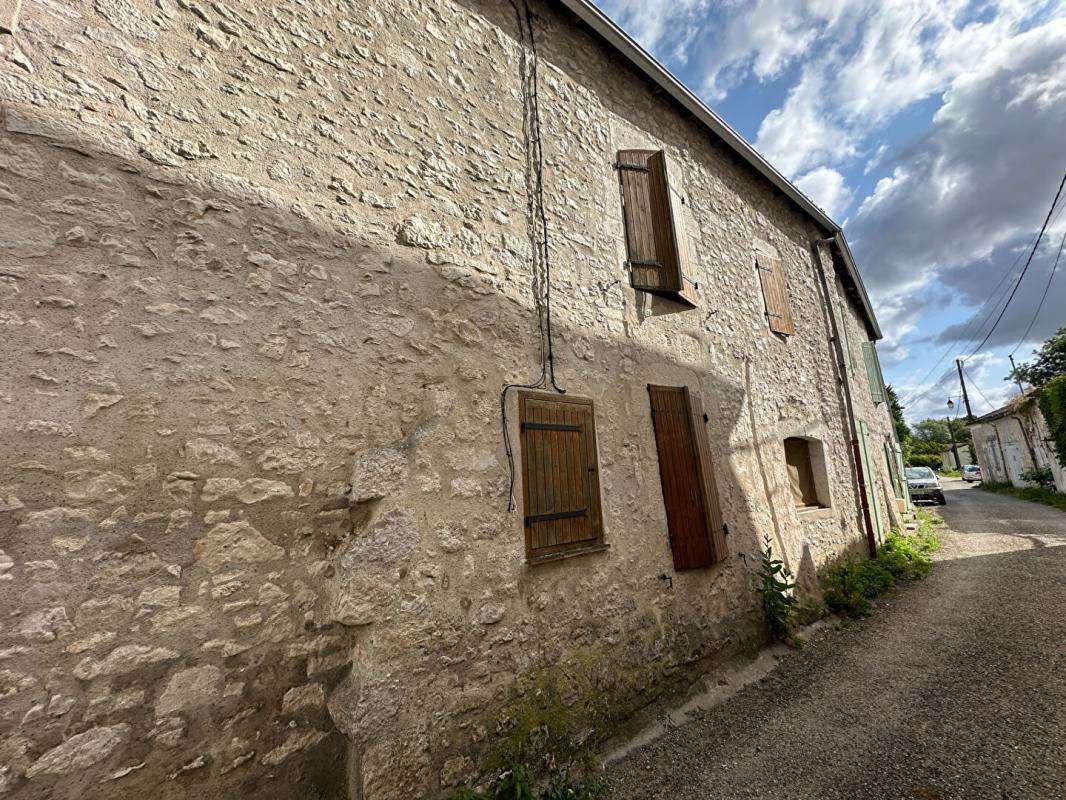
951	433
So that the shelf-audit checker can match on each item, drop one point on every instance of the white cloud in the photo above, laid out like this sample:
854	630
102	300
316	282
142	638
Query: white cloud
979	180
827	188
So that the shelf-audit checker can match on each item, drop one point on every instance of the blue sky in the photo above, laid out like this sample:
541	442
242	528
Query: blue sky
934	131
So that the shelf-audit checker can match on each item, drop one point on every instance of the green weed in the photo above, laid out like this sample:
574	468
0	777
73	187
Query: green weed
516	784
852	582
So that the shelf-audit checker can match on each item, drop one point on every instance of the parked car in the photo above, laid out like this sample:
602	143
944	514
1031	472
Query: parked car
971	473
925	485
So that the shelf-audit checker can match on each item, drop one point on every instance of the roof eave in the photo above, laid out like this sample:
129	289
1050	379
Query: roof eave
604	27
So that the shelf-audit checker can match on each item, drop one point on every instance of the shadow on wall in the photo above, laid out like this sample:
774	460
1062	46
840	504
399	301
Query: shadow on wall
254	501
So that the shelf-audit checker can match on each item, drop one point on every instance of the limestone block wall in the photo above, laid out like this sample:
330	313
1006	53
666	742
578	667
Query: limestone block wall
264	270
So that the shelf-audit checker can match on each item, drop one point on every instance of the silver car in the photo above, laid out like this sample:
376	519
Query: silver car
971	473
924	485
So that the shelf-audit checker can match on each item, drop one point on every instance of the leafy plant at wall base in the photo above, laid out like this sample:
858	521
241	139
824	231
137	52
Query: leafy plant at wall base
775	585
1035	494
516	784
1041	476
851	582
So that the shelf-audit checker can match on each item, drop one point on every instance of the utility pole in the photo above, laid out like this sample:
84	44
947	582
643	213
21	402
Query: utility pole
954	446
1013	371
965	397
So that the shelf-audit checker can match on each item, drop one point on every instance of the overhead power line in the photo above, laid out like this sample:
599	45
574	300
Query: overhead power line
978	388
1028	261
1043	297
970	332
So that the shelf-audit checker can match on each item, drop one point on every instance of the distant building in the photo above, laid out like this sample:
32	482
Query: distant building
965	457
1012	440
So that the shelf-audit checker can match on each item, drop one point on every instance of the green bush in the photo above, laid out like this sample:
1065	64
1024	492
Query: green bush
920	460
852	582
1053	405
1041	476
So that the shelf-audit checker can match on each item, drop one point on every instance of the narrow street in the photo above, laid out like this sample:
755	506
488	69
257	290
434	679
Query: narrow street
954	687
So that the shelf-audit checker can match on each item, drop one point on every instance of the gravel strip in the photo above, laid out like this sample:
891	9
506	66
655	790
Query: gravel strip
955	687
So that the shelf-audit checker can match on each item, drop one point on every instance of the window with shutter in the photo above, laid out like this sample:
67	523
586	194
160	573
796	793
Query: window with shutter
775	294
873	372
686	471
560	476
656	242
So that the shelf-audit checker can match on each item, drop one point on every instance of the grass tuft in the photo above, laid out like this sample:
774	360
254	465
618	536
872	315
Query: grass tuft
1034	494
853	581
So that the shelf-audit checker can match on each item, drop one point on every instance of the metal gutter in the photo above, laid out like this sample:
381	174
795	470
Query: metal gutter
644	62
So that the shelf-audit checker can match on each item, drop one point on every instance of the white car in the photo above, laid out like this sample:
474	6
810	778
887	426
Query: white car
971	473
924	485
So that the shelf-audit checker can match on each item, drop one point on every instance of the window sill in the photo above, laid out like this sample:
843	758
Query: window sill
559	555
814	513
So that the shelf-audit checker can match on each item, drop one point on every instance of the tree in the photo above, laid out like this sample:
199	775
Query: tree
1050	361
903	431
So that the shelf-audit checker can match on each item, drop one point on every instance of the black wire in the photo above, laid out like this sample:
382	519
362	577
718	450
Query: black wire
1028	261
535	213
1040	307
992	303
966	336
978	388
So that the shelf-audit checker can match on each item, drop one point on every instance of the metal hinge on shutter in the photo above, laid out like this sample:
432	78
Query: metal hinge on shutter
764	269
772	314
644	262
581	512
634	167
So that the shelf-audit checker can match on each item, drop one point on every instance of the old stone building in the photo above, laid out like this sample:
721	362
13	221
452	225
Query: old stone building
266	269
1014	440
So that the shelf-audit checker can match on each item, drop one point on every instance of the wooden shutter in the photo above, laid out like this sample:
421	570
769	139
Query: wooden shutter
775	293
656	243
686	472
560	475
873	372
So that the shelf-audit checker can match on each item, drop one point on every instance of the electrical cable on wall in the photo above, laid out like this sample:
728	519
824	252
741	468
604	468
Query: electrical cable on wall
536	228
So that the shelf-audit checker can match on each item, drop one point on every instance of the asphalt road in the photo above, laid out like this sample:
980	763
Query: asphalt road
954	687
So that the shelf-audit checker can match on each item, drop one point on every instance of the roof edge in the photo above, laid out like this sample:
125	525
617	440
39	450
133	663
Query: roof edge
645	63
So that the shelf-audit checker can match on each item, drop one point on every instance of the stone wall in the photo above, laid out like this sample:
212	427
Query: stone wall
264	271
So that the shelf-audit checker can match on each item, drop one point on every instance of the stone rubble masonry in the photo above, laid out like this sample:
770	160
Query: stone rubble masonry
264	269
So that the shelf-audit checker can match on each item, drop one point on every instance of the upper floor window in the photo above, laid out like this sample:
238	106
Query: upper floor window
656	244
775	294
560	476
873	372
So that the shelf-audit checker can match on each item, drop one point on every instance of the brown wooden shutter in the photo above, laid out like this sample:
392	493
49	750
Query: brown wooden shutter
656	242
686	471
560	475
775	293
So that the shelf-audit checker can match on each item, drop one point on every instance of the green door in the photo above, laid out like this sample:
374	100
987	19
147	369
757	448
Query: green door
898	451
870	480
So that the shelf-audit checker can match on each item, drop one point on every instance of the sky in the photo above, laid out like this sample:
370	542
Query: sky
933	131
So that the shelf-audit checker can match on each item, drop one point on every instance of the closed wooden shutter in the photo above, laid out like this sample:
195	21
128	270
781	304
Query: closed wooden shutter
775	294
686	472
560	475
873	372
656	242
